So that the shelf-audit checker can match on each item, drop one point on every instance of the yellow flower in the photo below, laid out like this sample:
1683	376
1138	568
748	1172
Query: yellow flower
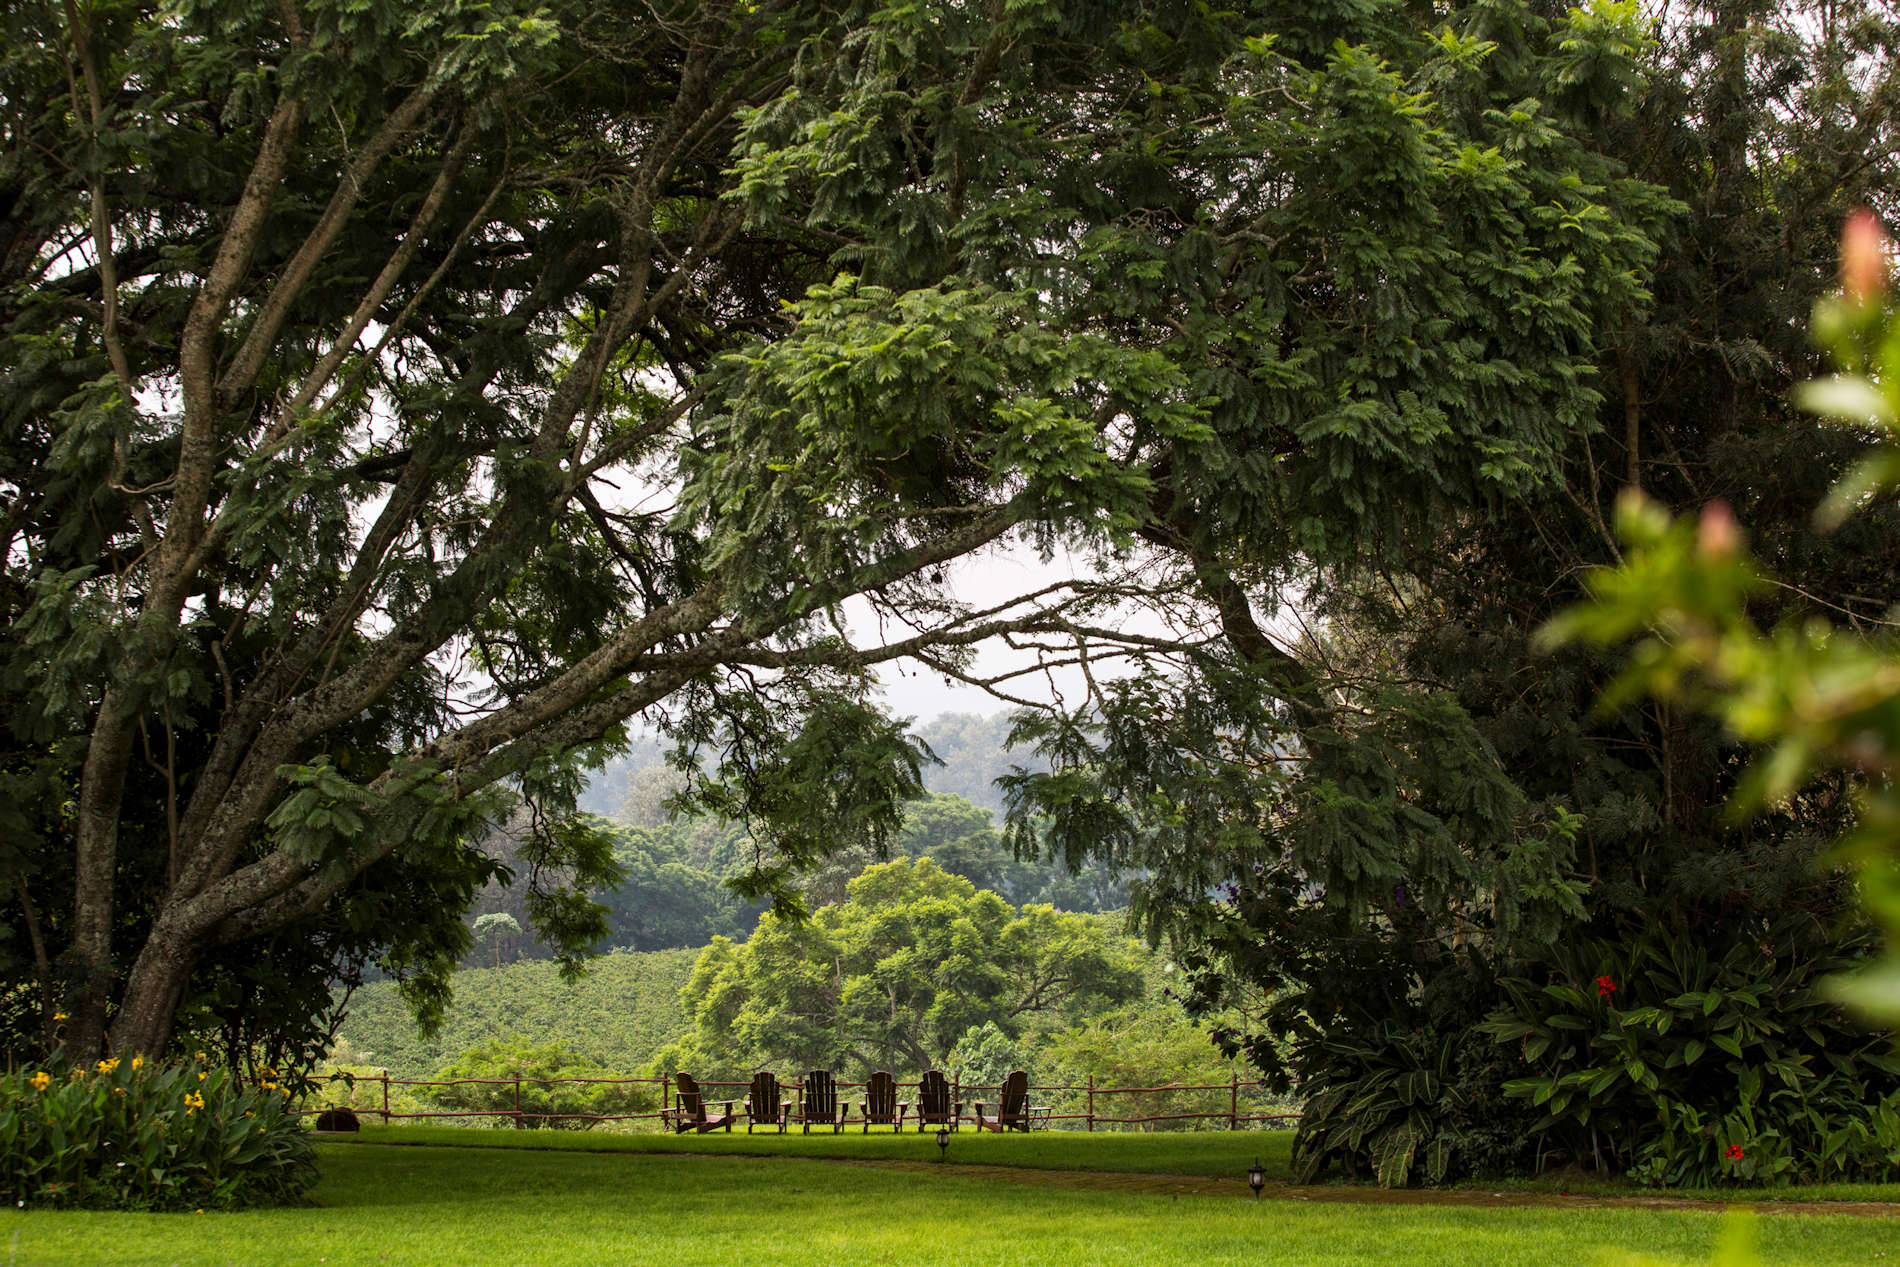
138	1063
200	1056
107	1066
202	1077
42	1080
193	1101
59	1016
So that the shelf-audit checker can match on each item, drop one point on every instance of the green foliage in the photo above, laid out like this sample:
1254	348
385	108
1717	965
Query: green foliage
1700	1059
1142	1046
618	1015
984	1055
1812	696
511	1074
894	977
136	1135
1402	1105
1362	828
958	836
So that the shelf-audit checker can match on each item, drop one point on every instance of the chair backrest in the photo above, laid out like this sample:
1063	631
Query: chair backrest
820	1096
880	1097
933	1097
690	1104
1015	1095
765	1094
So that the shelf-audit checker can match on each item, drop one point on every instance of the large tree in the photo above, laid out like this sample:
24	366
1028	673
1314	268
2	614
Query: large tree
1449	803
895	975
399	398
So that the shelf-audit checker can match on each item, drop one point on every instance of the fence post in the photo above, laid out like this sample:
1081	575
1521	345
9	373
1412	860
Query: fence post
1091	1104
385	1099
1233	1105
517	1098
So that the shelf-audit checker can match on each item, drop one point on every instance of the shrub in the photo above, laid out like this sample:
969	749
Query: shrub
1404	1105
141	1135
1692	1067
495	1065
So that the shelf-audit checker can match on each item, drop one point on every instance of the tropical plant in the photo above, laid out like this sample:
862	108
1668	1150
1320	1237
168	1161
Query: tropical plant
132	1134
1692	1064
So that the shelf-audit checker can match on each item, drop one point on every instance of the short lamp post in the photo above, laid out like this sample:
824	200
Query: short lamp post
943	1143
1256	1177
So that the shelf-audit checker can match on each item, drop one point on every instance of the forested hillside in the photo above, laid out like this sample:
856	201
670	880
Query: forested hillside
676	870
972	750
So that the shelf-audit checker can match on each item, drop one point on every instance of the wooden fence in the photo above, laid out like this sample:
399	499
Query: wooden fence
1096	1099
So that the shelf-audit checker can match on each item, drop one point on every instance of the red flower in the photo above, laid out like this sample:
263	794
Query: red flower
1736	1152
1606	986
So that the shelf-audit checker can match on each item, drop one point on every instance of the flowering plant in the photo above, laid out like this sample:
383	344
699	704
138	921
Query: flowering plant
147	1135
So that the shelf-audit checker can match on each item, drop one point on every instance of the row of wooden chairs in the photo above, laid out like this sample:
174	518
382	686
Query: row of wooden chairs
818	1105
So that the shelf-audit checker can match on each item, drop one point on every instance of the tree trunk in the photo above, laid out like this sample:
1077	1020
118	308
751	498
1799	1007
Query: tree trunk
150	1003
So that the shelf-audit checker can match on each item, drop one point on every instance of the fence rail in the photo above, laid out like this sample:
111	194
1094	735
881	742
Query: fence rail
1041	1115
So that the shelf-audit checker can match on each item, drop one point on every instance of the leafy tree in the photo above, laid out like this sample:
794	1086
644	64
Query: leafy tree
494	931
892	978
984	1055
662	899
1427	803
606	351
1816	699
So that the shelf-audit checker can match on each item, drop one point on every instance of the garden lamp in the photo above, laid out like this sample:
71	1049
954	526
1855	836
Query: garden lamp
943	1143
1256	1177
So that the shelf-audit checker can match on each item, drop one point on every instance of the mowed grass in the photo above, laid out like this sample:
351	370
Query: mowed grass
422	1206
1216	1154
1209	1154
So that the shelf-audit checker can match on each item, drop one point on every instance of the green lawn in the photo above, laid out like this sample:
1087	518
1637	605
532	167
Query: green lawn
422	1205
1212	1153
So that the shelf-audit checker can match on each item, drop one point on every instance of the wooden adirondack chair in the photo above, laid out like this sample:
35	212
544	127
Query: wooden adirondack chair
763	1107
690	1113
880	1106
1012	1114
934	1105
818	1103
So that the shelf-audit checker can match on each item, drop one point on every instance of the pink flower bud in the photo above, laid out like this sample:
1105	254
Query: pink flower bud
1864	246
1717	535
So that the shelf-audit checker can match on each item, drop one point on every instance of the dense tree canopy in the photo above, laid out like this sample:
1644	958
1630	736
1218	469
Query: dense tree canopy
1443	806
400	398
895	975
